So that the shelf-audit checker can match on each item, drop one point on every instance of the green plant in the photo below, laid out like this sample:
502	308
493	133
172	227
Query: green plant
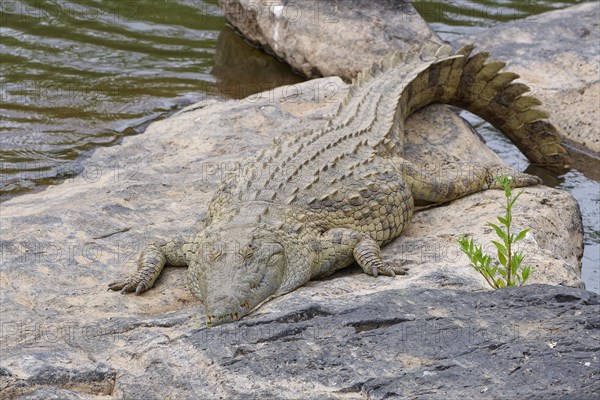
508	272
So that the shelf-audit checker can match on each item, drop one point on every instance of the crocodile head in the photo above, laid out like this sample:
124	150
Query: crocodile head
233	277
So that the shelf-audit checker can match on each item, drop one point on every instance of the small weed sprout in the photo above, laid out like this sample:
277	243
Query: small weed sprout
509	271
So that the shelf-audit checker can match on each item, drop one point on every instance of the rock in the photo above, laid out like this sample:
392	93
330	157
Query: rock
535	341
556	53
295	32
429	243
45	379
64	335
434	344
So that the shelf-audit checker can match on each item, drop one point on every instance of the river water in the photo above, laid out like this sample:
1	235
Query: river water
76	75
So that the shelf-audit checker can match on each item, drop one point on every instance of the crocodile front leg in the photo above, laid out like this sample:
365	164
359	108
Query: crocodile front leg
339	247
151	263
471	178
368	255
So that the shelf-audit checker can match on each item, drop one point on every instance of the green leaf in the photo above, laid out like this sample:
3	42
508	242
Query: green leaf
507	190
526	272
499	231
501	252
504	221
510	204
466	246
522	234
484	259
500	247
502	272
502	180
501	258
513	266
516	260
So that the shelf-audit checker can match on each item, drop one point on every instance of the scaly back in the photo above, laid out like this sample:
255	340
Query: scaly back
370	122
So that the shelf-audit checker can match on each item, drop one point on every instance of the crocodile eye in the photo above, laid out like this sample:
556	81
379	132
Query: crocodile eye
247	251
275	248
277	254
275	259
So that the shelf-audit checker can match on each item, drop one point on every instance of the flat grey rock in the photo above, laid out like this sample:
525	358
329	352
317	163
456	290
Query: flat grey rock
64	336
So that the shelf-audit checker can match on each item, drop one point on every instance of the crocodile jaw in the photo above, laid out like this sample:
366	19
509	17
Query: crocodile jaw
233	279
242	297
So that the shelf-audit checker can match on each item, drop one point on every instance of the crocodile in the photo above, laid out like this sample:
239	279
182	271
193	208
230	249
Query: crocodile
320	200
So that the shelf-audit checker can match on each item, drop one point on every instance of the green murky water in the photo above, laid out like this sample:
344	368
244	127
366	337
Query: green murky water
76	75
82	74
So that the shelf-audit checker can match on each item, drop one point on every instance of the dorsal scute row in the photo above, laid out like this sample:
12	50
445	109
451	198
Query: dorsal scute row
365	119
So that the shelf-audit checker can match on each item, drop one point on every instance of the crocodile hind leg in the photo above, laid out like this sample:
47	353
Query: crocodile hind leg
151	263
471	178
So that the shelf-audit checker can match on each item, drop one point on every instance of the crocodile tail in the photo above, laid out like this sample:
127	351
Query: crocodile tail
468	82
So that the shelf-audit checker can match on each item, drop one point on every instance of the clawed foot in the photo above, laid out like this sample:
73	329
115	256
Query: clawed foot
368	255
151	262
388	269
138	283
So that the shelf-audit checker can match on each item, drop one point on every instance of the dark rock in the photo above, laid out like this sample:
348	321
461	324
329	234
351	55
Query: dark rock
52	393
44	379
535	341
415	343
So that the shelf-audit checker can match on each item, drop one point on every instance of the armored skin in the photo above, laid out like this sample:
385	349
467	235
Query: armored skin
320	200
